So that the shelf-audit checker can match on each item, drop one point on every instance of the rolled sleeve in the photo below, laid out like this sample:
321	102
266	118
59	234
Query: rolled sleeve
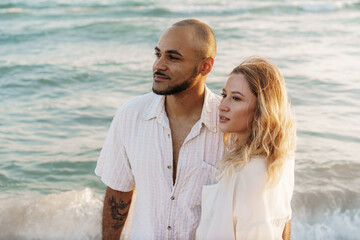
113	164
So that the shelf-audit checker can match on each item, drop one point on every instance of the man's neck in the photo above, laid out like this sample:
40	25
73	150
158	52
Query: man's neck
186	105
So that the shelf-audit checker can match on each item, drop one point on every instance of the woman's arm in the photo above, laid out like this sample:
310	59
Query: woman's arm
287	231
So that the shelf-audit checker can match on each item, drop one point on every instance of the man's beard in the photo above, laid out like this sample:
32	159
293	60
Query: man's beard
178	88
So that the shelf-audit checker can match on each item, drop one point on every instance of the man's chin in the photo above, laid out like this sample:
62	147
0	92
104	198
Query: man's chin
159	92
172	90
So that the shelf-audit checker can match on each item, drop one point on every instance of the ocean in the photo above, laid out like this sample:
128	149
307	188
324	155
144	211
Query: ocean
67	65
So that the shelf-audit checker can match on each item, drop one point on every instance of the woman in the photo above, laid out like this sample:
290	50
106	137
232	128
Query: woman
256	175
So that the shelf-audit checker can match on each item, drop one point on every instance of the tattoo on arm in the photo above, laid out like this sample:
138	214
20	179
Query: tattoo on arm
116	209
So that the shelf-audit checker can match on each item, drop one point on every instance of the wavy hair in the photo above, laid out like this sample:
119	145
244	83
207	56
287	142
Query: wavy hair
272	132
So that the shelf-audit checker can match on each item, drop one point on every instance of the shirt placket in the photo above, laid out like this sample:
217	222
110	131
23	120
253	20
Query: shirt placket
172	198
172	207
171	227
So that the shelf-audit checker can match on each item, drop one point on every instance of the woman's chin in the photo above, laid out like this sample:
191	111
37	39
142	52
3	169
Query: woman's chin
222	129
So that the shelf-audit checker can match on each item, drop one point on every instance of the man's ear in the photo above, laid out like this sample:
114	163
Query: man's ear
206	66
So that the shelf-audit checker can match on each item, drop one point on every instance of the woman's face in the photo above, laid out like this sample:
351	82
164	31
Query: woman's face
238	105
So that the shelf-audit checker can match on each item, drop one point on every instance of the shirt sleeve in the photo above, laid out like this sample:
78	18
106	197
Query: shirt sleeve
113	164
260	212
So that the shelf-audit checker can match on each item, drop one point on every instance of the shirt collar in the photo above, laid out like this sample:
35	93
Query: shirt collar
155	107
209	113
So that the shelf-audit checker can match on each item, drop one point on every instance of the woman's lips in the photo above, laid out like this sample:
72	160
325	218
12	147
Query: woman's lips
223	119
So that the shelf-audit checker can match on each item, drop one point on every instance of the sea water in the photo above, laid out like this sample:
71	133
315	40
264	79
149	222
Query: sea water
67	65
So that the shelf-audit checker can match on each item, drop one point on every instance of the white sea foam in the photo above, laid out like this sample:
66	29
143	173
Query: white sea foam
217	7
17	10
77	215
68	215
329	225
320	6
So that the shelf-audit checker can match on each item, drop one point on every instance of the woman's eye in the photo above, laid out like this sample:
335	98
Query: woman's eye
223	95
236	98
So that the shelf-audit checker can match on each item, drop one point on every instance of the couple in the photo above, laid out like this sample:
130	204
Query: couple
204	167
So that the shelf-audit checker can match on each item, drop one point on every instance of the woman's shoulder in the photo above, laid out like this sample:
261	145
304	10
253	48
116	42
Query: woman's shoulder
255	166
258	165
251	176
254	174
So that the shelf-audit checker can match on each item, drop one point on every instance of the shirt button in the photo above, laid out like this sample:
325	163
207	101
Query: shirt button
169	166
169	135
169	228
172	198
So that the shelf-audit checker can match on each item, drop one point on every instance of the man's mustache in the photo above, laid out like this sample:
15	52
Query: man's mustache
160	73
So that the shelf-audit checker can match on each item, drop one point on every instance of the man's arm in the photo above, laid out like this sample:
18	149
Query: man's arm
115	211
287	231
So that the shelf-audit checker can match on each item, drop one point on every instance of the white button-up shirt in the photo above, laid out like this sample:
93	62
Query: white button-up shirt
241	206
138	151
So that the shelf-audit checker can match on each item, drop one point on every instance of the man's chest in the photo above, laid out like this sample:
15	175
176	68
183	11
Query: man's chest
151	150
179	133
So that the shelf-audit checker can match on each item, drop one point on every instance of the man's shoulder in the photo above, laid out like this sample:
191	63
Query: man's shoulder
213	96
138	105
140	102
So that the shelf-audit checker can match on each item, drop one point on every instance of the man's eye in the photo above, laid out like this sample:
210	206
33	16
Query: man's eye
173	58
157	54
223	95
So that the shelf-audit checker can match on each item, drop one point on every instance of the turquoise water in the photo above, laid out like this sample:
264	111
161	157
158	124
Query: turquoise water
66	66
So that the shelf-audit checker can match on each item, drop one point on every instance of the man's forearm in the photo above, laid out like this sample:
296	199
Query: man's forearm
115	211
287	231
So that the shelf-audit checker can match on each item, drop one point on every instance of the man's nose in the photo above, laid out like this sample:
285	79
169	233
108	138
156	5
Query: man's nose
159	64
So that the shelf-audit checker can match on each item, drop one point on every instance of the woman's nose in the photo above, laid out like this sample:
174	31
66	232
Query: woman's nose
223	107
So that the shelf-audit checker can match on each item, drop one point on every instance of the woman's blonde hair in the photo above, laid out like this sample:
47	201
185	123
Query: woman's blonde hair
272	132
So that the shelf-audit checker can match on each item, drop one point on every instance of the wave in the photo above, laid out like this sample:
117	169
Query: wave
6	5
329	135
328	198
77	215
16	10
329	225
261	7
50	74
128	8
67	215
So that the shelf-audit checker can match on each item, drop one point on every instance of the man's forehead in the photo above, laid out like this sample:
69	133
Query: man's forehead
177	38
177	29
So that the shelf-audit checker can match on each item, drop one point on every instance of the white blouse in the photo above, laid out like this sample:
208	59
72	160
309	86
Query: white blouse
241	207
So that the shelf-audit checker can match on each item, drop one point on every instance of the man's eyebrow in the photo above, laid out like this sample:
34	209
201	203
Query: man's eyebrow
169	51
174	52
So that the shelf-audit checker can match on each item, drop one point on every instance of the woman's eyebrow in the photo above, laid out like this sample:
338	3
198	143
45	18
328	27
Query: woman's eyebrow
237	92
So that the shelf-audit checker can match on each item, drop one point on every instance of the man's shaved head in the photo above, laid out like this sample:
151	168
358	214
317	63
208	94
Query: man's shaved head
206	42
185	55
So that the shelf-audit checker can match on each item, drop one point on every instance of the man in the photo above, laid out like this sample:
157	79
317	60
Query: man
166	142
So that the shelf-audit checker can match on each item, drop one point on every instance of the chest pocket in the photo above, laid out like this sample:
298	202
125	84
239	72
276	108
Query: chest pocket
196	178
